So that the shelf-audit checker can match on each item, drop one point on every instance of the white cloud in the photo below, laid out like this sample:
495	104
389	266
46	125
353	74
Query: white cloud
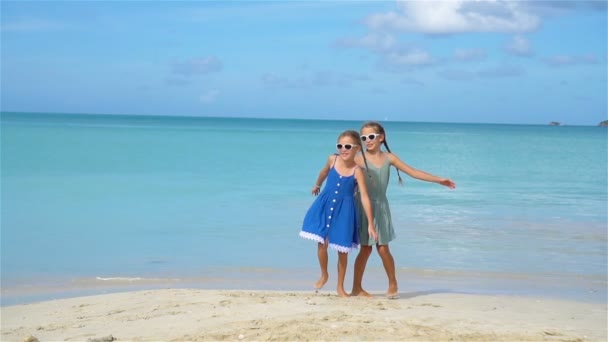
457	16
469	55
275	80
412	81
31	24
564	7
195	66
502	71
378	90
376	42
413	57
569	60
338	79
209	96
519	46
270	78
319	78
174	81
457	75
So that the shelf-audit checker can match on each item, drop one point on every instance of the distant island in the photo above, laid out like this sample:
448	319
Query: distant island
557	123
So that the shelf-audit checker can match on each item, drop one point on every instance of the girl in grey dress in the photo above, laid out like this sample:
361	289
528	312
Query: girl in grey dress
378	163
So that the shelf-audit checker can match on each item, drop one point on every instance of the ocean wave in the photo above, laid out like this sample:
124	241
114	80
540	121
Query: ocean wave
121	278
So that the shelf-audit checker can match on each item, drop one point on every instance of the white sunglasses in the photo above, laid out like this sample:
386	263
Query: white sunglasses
370	136
346	146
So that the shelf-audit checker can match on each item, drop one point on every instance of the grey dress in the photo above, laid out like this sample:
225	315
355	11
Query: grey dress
376	188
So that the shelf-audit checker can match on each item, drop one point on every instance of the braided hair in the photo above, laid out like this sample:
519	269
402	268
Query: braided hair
379	129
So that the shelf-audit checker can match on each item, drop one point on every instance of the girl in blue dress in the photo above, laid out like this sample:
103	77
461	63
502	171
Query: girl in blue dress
331	220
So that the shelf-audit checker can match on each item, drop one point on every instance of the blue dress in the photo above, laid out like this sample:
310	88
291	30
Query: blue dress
333	214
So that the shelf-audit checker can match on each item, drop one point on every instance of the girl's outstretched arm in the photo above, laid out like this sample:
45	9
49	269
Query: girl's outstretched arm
322	175
367	204
419	174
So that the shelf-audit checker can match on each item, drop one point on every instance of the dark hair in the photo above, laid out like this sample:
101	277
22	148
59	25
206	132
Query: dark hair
379	129
357	139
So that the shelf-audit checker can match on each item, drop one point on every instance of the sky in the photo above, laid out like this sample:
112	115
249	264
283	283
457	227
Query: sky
522	62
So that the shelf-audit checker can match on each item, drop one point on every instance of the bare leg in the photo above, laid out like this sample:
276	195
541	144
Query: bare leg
389	267
322	254
342	263
360	264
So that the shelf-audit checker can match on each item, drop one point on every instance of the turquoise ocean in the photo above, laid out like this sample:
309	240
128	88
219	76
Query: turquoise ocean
99	203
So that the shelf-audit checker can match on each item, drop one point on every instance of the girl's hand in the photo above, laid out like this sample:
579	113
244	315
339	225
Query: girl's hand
371	230
315	190
448	183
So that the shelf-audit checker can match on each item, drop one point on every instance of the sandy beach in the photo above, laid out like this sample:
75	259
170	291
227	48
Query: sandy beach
207	315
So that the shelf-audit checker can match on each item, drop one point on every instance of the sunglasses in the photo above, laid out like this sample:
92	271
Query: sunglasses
346	146
370	136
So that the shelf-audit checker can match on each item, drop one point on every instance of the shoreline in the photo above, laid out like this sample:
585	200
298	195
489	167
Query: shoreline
201	315
578	288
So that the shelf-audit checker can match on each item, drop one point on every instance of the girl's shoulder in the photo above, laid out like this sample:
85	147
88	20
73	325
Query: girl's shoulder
359	159
392	158
358	172
386	156
332	158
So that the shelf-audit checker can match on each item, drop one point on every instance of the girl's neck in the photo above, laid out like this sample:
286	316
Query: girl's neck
349	163
374	152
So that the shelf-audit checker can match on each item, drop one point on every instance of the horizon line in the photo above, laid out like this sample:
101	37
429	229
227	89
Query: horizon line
183	116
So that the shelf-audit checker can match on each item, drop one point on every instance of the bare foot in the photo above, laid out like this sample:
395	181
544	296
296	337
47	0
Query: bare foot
360	293
393	292
342	293
321	282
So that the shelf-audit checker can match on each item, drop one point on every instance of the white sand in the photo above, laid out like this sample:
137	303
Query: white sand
204	315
